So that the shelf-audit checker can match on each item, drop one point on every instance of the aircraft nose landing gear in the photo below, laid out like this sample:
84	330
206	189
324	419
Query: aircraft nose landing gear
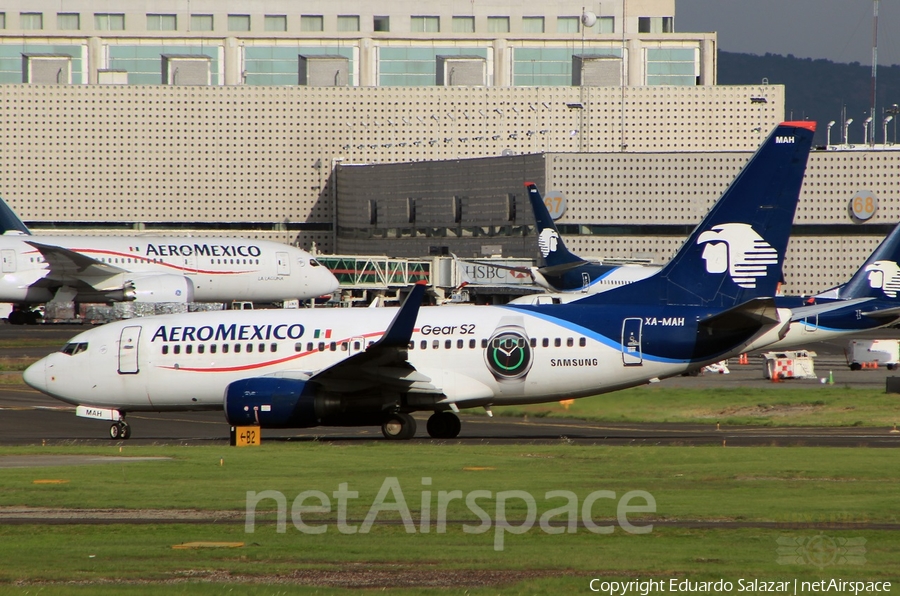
120	430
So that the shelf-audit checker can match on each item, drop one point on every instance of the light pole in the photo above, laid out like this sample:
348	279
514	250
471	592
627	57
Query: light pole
866	123
894	110
828	138
847	124
886	120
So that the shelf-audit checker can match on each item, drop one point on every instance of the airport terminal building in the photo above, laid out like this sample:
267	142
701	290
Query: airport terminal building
402	129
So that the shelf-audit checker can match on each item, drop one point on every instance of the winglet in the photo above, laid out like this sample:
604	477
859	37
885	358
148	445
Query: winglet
401	328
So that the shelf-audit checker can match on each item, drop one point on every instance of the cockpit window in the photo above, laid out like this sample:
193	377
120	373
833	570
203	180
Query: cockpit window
314	263
74	348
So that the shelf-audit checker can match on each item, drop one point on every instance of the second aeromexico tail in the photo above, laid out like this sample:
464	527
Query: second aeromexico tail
280	369
561	271
37	270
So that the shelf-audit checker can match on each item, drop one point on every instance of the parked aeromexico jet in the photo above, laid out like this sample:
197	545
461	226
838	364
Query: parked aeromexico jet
559	270
36	270
868	301
297	369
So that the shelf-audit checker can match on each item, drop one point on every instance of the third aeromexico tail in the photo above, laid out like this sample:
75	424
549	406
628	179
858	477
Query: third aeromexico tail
868	301
37	270
283	369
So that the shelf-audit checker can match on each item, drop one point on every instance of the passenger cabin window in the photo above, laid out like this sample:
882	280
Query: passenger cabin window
545	343
557	342
570	342
212	349
176	349
582	342
224	348
165	350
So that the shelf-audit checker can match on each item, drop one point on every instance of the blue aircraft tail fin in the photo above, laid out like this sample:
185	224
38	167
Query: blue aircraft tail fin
552	249
737	252
879	276
9	221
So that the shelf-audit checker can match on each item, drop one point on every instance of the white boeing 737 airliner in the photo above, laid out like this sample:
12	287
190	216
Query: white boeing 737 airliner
299	369
37	270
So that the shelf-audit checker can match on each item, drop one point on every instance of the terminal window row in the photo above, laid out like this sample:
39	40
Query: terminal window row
71	21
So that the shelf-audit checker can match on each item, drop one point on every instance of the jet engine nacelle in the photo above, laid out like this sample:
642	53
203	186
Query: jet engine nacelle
276	402
271	402
160	288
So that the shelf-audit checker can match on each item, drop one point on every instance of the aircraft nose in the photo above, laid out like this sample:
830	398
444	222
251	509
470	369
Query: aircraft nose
35	376
328	282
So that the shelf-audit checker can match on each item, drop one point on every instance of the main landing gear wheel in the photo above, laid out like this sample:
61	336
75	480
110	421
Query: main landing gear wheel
443	425
120	430
399	427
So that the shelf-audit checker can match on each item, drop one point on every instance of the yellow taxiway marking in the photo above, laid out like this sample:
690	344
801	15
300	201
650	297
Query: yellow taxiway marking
50	481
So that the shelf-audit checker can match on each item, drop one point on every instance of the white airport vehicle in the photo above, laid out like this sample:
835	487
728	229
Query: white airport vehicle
872	353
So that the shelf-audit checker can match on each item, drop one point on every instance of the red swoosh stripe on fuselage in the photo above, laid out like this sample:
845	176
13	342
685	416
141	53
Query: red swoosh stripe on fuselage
268	362
93	251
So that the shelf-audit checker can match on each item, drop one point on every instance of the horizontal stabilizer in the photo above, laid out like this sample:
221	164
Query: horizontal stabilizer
757	312
802	312
886	313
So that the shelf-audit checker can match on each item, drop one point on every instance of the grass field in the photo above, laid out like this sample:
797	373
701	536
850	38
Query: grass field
815	496
811	405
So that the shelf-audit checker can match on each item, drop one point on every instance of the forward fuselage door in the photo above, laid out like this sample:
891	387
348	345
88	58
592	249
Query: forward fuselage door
585	282
8	256
631	342
128	350
282	263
